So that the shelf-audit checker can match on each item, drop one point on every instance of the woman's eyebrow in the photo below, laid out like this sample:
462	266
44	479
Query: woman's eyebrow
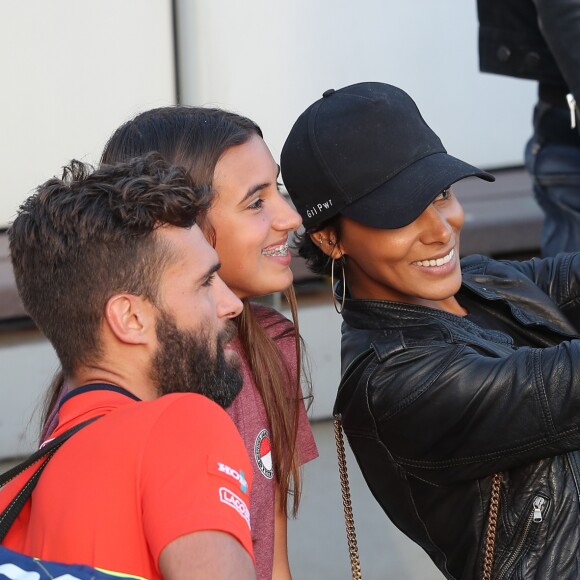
254	189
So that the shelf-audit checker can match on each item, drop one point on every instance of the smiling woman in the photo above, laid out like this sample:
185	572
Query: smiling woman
455	396
248	223
418	263
252	220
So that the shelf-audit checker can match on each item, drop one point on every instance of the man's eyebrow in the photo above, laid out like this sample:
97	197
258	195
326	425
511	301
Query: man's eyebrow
203	279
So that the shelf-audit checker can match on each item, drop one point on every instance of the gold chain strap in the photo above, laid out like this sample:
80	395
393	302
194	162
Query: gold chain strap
349	519
345	489
491	528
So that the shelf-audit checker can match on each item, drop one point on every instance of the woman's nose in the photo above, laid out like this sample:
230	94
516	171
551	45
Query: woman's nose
436	227
287	218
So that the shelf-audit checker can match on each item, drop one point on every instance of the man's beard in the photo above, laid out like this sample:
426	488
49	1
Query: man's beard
184	362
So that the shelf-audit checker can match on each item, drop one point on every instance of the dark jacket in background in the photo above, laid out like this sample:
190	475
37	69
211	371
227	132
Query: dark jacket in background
532	39
444	404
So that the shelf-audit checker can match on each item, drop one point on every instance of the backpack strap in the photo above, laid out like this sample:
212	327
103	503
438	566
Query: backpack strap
42	456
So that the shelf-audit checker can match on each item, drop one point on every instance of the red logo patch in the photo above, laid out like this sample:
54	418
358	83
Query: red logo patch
263	454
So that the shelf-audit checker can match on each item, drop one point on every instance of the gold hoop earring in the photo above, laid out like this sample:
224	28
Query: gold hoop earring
334	301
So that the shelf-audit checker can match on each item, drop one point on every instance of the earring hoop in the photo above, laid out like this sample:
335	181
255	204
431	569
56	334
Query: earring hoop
334	301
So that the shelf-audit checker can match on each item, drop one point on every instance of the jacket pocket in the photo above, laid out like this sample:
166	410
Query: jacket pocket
527	529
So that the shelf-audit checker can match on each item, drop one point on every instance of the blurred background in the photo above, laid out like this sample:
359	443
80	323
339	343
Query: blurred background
73	70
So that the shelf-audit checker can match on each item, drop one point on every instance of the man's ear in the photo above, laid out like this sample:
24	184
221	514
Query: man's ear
325	239
130	318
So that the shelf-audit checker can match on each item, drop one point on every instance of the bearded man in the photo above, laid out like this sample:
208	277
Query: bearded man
112	268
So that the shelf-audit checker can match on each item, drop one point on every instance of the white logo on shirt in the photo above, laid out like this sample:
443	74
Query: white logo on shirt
230	498
237	475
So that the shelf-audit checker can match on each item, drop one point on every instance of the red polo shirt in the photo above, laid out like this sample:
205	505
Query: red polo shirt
122	488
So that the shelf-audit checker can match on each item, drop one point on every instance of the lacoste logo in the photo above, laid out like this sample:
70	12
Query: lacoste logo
230	498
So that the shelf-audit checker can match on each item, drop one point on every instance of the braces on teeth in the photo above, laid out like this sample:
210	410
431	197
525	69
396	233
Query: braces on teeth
278	251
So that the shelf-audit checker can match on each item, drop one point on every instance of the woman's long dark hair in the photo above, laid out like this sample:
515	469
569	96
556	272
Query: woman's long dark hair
195	138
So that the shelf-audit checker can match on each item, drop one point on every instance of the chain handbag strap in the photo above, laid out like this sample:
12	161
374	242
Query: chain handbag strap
490	534
345	489
350	380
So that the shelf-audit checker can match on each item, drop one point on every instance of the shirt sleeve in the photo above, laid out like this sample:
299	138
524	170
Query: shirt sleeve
305	444
452	412
196	475
558	277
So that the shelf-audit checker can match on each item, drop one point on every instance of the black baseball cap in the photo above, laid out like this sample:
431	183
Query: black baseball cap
364	151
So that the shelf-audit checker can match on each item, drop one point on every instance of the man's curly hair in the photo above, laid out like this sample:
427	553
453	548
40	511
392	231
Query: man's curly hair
91	234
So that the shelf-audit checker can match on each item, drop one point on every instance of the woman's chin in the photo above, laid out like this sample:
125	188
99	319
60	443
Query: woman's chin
259	288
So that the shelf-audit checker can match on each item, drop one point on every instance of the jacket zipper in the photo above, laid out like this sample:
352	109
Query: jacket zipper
535	517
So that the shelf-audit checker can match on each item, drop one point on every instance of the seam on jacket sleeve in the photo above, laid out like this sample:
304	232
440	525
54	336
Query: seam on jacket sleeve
497	454
541	391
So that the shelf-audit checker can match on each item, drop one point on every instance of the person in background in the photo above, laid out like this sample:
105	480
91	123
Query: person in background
462	405
112	267
248	223
540	40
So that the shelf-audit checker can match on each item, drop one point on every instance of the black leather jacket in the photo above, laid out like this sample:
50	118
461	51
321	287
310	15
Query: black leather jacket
444	404
533	39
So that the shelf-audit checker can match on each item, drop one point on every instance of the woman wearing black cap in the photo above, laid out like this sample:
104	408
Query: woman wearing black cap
466	390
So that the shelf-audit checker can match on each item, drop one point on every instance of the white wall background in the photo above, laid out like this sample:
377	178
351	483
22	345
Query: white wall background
71	71
269	59
27	365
